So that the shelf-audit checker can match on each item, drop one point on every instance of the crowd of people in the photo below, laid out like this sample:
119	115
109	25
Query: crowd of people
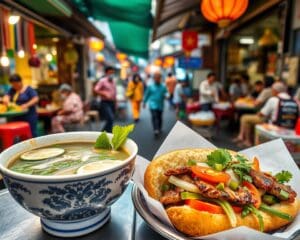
269	97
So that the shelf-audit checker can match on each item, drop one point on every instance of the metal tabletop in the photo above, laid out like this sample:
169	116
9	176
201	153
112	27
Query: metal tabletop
18	224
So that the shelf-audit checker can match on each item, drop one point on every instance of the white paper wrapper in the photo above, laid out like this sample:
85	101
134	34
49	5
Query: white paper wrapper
273	157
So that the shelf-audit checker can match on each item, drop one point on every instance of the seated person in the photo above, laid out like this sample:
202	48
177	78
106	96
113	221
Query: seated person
72	109
235	90
244	85
266	93
258	88
281	109
25	97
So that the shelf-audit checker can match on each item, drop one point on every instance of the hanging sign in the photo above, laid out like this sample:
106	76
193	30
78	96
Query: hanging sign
189	40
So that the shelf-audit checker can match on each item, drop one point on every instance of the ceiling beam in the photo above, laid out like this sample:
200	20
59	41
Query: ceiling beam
166	16
159	8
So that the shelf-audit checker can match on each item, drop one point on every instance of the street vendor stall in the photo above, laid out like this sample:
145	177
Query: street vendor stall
267	132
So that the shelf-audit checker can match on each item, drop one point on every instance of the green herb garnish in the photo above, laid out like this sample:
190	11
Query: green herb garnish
120	134
103	142
283	176
219	159
242	168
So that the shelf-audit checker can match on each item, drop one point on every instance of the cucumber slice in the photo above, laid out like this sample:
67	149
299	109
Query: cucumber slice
42	154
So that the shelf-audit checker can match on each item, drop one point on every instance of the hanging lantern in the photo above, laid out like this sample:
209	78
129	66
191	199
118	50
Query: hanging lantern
121	56
268	38
169	61
96	44
223	11
158	62
100	57
4	60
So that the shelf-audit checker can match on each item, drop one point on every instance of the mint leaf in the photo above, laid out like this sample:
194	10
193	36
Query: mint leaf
120	134
283	176
103	142
220	158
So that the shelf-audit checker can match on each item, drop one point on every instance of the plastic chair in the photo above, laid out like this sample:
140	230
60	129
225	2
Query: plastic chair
10	131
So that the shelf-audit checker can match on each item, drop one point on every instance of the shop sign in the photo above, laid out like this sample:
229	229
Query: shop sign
190	62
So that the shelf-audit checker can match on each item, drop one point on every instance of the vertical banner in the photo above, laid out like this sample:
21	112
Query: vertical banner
11	37
5	29
189	40
31	38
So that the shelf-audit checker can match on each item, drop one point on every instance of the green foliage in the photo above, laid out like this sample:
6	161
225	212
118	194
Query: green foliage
219	159
120	134
103	142
283	176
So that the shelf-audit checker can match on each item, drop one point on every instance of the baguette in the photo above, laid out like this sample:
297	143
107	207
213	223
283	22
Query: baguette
197	223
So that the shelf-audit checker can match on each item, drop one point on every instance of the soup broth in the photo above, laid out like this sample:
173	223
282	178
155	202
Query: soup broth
67	159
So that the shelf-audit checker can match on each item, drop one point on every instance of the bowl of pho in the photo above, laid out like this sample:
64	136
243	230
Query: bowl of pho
70	180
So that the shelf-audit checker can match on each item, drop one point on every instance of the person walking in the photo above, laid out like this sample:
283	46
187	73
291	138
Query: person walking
72	109
154	97
106	89
134	92
171	84
27	98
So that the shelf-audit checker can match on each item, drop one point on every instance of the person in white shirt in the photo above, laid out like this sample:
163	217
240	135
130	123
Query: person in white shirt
280	109
209	92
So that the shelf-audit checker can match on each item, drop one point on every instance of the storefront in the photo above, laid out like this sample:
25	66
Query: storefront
255	49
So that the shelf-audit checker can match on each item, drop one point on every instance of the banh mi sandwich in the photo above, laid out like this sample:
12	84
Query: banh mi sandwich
205	191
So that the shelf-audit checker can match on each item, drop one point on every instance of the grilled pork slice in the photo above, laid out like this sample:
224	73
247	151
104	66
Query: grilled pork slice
177	171
170	197
240	197
269	183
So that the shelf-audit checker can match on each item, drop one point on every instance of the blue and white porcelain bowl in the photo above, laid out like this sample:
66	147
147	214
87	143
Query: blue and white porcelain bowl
70	205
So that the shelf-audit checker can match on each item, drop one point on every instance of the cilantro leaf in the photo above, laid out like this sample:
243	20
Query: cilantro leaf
103	142
120	134
241	158
283	176
219	157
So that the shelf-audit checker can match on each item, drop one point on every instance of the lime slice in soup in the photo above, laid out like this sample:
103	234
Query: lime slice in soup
97	166
42	154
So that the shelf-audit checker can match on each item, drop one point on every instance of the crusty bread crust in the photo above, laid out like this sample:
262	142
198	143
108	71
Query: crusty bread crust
197	223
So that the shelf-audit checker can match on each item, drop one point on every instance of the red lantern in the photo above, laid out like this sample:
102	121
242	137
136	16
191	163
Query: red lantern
189	40
223	11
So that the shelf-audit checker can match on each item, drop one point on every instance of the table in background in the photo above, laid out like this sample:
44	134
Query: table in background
266	132
45	115
125	224
12	114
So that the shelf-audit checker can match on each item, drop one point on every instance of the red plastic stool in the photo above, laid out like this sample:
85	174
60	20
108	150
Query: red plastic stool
9	131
